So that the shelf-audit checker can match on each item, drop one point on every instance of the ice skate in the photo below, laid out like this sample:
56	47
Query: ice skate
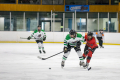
62	64
40	51
101	46
81	64
86	65
44	51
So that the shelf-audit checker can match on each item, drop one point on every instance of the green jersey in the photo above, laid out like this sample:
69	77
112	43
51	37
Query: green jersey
73	41
38	35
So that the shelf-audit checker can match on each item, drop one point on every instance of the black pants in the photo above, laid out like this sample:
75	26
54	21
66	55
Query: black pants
100	41
77	48
37	41
40	44
86	48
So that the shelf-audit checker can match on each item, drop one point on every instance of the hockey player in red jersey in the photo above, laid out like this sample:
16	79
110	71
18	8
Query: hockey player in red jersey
89	49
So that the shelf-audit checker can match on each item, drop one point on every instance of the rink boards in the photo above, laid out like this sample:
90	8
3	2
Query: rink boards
52	37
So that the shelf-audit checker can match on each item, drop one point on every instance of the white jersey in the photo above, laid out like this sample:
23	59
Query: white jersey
73	41
38	35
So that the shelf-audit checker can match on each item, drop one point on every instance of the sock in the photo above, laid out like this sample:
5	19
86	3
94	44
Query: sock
39	48
81	59
64	58
42	48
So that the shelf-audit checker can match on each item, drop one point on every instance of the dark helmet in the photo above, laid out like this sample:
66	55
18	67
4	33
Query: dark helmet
72	32
39	25
90	34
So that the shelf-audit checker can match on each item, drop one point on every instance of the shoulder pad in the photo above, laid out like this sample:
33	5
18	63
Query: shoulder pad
42	30
79	35
68	37
35	31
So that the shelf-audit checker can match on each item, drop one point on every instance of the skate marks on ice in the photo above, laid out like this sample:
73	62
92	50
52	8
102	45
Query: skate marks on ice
21	62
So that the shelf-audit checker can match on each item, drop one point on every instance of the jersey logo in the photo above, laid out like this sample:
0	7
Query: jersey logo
74	42
89	44
39	35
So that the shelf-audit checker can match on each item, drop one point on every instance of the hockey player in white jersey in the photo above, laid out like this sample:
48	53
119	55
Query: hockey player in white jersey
39	36
72	40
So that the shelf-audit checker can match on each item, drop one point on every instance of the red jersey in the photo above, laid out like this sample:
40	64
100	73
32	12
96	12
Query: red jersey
91	43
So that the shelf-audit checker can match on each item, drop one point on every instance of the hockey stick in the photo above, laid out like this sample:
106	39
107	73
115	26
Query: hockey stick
25	38
49	56
88	68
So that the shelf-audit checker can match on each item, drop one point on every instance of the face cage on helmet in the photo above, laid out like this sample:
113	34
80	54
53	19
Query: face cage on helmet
90	35
73	34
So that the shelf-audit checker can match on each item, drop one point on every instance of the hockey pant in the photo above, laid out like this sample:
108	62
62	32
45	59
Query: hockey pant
77	49
89	55
40	44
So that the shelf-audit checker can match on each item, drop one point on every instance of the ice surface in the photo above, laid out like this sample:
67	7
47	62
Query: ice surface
18	61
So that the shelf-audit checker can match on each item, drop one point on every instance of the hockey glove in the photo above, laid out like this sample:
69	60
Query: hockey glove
29	38
84	40
65	50
94	49
78	43
44	38
86	52
89	48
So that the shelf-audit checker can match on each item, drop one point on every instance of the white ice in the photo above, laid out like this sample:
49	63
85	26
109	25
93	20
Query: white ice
18	61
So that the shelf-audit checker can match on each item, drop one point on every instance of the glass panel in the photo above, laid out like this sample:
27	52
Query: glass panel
93	22
8	1
113	22
114	2
45	21
75	2
98	2
81	21
4	21
29	1
103	21
31	21
17	21
58	22
52	2
68	21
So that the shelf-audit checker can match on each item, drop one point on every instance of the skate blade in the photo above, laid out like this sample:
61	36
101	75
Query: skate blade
39	57
62	67
88	68
84	67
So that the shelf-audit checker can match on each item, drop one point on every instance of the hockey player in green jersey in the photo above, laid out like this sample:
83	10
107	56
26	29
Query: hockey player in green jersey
72	40
39	36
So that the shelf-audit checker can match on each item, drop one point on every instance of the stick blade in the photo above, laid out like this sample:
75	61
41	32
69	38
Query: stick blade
41	58
22	38
89	68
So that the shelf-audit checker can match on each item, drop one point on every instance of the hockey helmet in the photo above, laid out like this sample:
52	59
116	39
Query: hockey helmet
72	32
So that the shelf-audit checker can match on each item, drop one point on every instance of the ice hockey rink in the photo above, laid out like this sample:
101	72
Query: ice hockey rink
18	61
